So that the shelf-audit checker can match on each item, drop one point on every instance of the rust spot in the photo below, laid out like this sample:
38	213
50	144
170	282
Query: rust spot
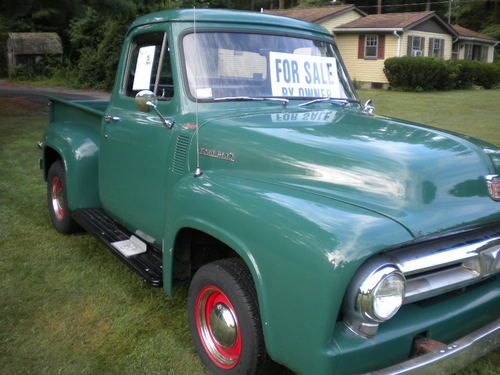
190	125
426	345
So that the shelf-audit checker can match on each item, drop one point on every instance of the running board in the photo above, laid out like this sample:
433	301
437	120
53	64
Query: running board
142	257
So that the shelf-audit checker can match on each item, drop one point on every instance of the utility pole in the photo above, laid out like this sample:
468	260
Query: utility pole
428	5
379	6
449	12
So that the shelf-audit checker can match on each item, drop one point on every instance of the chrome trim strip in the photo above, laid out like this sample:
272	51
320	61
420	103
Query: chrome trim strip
423	259
454	357
430	271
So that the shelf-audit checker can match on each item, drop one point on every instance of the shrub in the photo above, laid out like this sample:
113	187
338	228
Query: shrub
418	73
423	74
488	76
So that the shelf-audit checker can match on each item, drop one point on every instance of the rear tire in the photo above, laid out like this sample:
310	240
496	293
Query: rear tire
224	319
57	199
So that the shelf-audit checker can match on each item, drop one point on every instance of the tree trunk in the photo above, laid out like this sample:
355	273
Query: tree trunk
428	5
379	6
282	4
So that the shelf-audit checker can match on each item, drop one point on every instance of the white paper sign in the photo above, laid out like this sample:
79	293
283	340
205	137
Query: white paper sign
144	67
306	76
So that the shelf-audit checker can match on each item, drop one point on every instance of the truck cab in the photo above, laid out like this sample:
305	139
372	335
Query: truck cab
234	154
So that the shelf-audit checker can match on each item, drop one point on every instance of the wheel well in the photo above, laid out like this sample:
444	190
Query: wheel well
49	157
193	249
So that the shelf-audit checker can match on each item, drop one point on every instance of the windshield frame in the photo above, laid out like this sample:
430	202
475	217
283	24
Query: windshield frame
292	34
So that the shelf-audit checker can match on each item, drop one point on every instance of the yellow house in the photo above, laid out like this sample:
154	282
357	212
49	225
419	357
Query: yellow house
329	16
366	42
471	45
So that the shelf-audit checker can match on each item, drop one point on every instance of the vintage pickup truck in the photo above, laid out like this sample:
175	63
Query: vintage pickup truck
234	154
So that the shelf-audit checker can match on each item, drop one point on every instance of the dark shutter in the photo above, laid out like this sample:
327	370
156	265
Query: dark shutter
361	47
381	47
422	46
410	44
441	52
431	46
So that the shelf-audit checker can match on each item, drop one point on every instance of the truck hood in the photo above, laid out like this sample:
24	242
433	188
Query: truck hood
426	179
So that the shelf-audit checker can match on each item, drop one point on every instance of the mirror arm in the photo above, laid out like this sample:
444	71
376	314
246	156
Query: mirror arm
168	123
369	108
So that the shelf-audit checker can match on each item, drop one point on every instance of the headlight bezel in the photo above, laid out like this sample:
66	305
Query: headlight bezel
358	308
365	300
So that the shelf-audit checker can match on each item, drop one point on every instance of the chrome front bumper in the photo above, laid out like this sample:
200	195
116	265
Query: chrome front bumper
452	358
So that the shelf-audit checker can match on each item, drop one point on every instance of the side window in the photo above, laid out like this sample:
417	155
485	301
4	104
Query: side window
415	46
149	66
371	46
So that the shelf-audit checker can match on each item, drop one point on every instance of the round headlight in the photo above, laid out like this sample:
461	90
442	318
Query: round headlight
381	294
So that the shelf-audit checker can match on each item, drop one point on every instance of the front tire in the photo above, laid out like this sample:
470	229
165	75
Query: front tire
224	319
57	199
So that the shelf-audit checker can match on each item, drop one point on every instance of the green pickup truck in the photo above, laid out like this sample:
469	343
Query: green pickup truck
234	155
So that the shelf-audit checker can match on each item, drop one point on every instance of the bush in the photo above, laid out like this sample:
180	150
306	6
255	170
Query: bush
424	74
418	73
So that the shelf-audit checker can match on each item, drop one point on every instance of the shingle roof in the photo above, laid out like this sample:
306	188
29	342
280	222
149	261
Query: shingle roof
314	14
35	43
467	33
388	20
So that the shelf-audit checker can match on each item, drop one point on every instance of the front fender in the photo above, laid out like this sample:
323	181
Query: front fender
302	250
78	148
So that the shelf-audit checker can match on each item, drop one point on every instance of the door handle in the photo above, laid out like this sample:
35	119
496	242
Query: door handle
110	118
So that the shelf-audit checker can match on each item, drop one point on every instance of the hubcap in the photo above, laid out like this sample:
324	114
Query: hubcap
217	326
57	198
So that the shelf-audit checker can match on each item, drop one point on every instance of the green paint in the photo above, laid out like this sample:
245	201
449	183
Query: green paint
312	193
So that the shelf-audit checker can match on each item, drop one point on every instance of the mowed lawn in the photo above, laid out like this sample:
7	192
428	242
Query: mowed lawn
68	306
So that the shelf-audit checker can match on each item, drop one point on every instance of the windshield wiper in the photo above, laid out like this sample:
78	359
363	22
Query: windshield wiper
329	99
258	99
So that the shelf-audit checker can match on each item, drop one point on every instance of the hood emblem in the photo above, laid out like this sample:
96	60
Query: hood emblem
493	183
228	156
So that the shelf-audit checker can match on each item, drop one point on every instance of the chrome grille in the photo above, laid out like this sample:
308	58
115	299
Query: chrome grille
443	266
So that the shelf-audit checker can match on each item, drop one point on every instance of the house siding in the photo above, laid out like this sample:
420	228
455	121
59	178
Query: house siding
336	21
360	69
448	40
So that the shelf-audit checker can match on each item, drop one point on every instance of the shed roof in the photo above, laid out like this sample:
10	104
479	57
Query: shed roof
464	33
315	14
35	43
393	21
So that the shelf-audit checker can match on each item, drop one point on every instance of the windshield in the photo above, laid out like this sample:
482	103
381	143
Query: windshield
238	65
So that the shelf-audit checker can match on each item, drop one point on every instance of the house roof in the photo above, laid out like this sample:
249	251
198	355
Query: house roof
392	21
35	43
467	34
315	14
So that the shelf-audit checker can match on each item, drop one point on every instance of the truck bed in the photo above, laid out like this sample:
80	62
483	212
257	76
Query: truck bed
85	112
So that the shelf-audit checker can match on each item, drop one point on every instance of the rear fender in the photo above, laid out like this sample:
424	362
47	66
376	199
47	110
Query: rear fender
78	148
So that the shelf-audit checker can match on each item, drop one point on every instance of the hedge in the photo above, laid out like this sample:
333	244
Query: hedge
425	73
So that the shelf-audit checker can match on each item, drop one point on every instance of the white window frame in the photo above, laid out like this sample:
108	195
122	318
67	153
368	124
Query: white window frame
372	38
417	51
436	50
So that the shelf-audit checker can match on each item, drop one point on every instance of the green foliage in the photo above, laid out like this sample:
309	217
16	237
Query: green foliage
417	73
426	74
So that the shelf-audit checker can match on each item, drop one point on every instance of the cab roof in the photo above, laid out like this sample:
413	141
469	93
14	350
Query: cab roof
227	16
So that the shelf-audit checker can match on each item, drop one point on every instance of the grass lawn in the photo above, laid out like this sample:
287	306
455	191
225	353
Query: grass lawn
68	306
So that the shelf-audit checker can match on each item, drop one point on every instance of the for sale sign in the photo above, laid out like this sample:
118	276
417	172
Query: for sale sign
302	75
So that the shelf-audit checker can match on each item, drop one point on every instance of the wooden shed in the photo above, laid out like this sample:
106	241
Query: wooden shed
30	48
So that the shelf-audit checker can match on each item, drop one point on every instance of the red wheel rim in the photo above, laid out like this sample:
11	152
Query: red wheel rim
218	327
57	198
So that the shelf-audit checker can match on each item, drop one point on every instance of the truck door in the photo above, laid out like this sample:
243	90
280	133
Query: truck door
135	146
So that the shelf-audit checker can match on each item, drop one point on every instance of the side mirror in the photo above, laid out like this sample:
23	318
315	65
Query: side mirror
146	100
369	108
